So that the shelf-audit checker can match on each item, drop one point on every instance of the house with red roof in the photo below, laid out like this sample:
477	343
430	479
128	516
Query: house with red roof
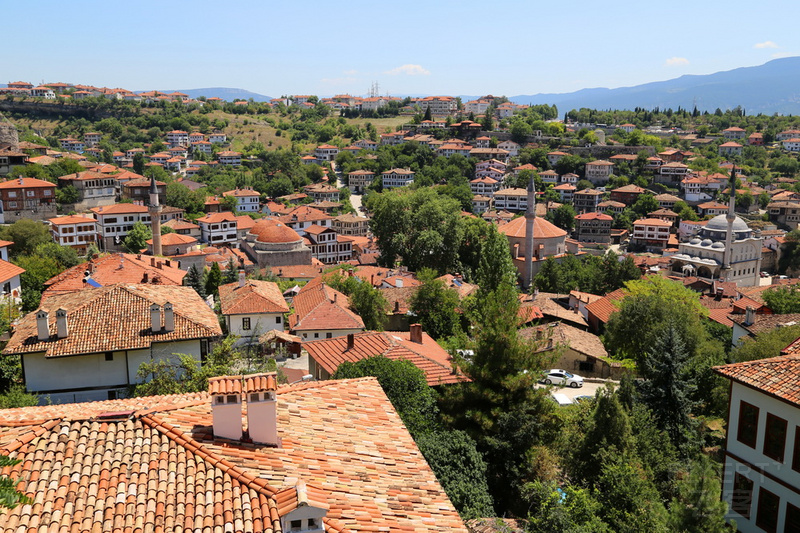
593	227
415	346
761	469
252	307
218	228
75	231
247	199
89	344
247	456
322	312
652	233
26	198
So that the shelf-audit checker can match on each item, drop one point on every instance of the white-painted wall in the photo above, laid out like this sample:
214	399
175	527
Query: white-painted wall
323	334
259	324
755	457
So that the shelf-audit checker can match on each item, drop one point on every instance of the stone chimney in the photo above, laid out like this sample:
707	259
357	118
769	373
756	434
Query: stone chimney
351	341
42	327
241	278
61	323
262	408
155	318
415	333
169	317
749	316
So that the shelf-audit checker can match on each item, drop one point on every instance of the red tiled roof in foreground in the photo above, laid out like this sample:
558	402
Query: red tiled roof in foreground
155	465
254	297
776	376
427	356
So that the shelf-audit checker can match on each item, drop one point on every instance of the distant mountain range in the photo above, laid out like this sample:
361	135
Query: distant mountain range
773	87
226	93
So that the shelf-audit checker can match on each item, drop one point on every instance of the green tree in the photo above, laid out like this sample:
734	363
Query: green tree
194	279
136	239
460	469
67	195
435	306
646	203
782	300
649	307
231	273
790	253
213	280
766	344
404	384
370	304
26	234
666	389
565	509
697	508
563	217
10	497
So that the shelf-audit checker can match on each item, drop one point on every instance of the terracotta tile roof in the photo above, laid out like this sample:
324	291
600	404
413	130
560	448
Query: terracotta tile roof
174	239
119	209
225	385
542	229
721	316
428	356
254	297
263	382
321	307
651	222
604	307
594	215
764	323
297	271
25	183
116	317
71	219
114	268
9	270
775	376
304	213
560	334
214	218
160	466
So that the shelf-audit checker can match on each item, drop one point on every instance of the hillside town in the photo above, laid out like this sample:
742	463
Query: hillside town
383	313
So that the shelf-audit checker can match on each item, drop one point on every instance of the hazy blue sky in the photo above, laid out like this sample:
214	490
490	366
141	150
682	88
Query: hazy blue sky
430	47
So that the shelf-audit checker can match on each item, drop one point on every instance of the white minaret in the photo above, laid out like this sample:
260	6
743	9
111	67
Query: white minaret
730	217
155	216
530	216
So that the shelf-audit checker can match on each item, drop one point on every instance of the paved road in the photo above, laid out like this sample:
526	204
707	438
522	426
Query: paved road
355	199
588	389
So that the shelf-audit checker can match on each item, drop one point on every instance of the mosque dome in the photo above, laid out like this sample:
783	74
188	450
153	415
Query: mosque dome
269	230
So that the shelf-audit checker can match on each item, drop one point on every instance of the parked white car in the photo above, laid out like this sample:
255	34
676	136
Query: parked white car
557	376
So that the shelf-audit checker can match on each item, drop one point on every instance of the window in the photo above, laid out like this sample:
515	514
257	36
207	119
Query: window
792	519
328	335
742	495
219	400
109	356
277	319
775	437
231	398
296	525
254	397
246	323
767	512
747	432
316	335
796	452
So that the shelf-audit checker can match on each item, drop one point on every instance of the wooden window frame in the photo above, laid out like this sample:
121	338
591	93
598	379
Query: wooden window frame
773	424
738	502
745	439
763	514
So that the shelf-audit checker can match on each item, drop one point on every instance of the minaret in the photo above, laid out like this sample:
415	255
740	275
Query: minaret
155	216
530	216
730	217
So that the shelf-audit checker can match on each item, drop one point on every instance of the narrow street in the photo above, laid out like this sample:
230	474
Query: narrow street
355	199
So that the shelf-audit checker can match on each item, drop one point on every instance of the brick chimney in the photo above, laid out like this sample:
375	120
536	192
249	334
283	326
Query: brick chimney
415	331
169	317
351	341
42	327
155	318
61	323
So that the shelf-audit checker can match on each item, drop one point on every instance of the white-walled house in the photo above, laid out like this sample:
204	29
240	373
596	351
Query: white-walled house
247	199
321	312
218	228
89	344
761	472
252	307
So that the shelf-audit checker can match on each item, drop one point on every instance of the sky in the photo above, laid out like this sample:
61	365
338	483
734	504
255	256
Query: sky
412	47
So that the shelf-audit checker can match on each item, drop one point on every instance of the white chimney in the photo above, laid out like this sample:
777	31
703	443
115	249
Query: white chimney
226	406
155	318
42	328
262	408
399	283
241	278
749	316
169	317
61	323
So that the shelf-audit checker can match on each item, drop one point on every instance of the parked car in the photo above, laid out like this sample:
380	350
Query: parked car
557	376
561	399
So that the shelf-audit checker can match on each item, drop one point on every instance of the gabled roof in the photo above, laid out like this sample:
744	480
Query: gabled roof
604	307
167	470
119	209
428	356
18	183
776	376
321	307
253	298
116	317
115	268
